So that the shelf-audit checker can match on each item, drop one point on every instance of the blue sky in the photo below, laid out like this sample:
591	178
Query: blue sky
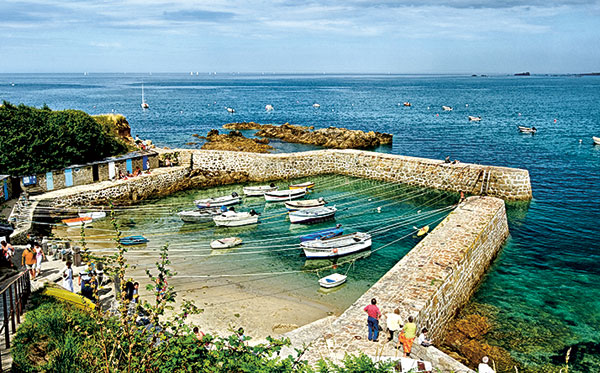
430	36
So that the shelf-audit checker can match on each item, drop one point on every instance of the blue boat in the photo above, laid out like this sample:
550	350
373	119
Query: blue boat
323	234
133	240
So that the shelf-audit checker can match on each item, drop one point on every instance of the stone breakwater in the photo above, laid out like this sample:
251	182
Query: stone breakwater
331	137
431	283
502	182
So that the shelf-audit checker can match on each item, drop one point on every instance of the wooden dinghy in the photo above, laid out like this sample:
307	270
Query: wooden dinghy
323	234
258	191
75	222
199	216
337	246
225	243
527	129
218	201
332	280
236	219
305	204
306	185
314	215
474	119
285	195
423	231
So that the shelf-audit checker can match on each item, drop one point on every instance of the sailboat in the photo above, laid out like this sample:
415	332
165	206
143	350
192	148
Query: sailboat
144	104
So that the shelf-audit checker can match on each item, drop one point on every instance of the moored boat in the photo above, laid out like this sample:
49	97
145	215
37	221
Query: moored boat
236	219
133	240
337	246
218	201
407	104
446	108
474	119
306	185
225	243
313	215
284	195
199	216
332	280
596	140
257	191
423	231
527	129
93	214
304	204
323	234
75	222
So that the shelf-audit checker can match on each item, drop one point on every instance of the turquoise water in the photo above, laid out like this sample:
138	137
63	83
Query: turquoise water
544	283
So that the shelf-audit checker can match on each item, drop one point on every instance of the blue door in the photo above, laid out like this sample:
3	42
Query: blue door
49	181
68	177
129	166
145	163
5	191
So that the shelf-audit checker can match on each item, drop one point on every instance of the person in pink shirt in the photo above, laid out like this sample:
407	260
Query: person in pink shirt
373	320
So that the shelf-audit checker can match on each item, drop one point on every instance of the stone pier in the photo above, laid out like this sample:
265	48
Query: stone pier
431	283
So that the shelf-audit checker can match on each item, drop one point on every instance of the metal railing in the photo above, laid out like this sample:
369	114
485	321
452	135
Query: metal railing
14	298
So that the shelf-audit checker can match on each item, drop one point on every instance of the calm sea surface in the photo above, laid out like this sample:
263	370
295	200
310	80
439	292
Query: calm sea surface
544	286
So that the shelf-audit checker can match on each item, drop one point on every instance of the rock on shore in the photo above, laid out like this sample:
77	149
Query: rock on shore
234	141
332	137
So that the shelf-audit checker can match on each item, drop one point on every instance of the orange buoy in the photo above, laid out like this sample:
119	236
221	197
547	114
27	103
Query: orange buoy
335	250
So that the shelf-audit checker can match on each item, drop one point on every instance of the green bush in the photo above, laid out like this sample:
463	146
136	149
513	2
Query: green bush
39	140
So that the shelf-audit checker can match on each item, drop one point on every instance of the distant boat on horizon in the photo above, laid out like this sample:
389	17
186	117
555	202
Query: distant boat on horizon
144	103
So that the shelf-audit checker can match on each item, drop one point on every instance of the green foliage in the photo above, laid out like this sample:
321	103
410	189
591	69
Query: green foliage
53	338
39	140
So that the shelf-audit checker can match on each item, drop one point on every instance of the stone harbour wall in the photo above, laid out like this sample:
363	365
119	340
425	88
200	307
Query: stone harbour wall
502	182
431	283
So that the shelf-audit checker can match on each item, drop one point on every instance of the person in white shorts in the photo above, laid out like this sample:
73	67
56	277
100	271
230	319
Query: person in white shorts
67	275
39	256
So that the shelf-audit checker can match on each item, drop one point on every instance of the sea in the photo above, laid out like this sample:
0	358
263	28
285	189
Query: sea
542	288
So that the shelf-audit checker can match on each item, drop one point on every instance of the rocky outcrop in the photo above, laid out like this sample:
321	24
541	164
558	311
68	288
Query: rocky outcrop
331	137
234	141
465	341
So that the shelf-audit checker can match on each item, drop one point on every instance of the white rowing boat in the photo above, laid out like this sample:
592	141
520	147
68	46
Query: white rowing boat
337	246
314	215
332	280
596	140
527	129
95	215
284	195
218	201
257	191
305	185
447	108
304	204
474	119
225	243
236	219
199	216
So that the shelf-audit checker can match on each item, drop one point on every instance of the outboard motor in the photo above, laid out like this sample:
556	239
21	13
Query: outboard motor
231	208
272	185
234	194
223	208
253	213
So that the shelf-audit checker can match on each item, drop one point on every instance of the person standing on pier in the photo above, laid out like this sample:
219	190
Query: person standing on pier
67	275
407	336
373	320
28	259
393	323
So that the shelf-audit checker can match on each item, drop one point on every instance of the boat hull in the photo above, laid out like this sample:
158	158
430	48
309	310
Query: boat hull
226	243
285	195
217	202
76	222
307	185
199	216
336	247
312	216
303	205
235	221
596	140
258	191
332	281
94	215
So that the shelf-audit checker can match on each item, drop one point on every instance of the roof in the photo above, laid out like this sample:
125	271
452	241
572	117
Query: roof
132	155
2	177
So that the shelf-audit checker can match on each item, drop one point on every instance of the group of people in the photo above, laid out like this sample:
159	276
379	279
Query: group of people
128	175
32	258
142	144
405	334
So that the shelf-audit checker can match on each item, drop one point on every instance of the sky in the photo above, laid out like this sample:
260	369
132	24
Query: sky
300	36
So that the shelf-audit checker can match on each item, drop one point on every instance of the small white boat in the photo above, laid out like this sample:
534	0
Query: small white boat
284	195
230	110
447	108
305	204
225	243
218	201
337	246
332	280
305	185
314	215
257	191
407	104
527	129
596	140
236	219
269	107
93	214
474	119
75	222
200	215
315	105
144	103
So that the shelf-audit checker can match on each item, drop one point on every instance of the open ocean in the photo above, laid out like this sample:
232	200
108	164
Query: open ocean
544	285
